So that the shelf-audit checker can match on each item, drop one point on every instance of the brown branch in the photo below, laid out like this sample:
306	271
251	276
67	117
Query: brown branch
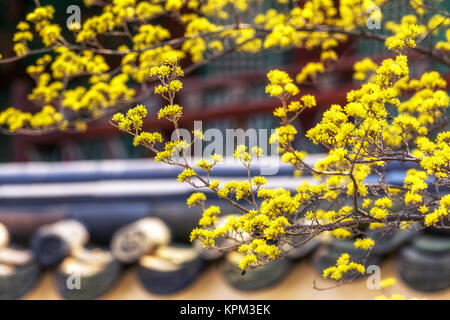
356	222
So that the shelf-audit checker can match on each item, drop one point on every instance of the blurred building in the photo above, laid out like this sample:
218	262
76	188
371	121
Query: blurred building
227	93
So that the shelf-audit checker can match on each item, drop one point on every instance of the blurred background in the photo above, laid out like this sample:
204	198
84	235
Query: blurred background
99	179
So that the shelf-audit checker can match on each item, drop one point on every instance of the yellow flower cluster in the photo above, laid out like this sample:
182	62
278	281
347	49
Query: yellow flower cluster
21	38
172	148
388	282
41	63
280	85
174	4
417	5
15	119
444	45
283	136
147	11
168	74
282	35
278	202
341	233
437	21
330	55
286	28
378	213
241	190
258	248
41	17
149	35
205	165
364	244
440	212
259	181
113	16
104	93
436	156
331	216
205	236
269	221
275	228
241	153
171	112
41	14
45	90
404	33
293	157
196	46
408	29
335	159
363	67
68	64
343	265
383	203
186	175
195	199
248	261
138	66
246	39
287	132
147	139
334	128
166	70
415	182
310	71
389	72
209	216
133	120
